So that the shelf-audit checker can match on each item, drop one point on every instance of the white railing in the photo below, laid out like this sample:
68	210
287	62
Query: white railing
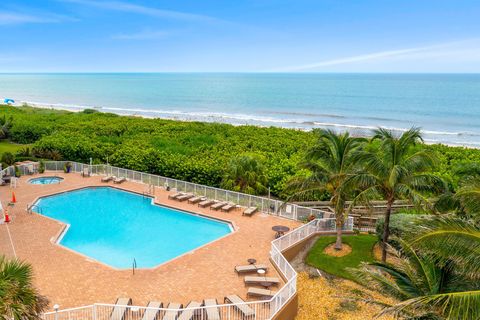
271	206
259	310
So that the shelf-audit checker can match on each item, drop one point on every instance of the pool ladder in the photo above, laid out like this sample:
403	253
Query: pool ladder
134	266
31	207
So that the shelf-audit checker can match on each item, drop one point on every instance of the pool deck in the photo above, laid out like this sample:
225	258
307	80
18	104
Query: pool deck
71	280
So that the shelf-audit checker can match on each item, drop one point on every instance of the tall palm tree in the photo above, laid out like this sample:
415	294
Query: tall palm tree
396	171
19	300
435	276
329	162
245	174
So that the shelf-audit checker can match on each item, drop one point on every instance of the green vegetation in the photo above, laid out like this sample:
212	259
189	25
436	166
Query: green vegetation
245	174
362	251
436	273
18	298
7	146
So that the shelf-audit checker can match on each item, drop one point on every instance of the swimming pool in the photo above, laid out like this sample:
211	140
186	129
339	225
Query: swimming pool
115	227
45	180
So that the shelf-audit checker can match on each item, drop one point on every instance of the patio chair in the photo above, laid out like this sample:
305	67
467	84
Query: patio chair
86	172
185	197
263	281
239	304
205	203
119	180
212	311
191	313
228	207
250	211
218	205
250	268
257	292
121	306
153	313
196	199
175	195
173	311
108	178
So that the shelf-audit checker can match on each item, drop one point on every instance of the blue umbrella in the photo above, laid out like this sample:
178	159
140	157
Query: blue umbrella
8	101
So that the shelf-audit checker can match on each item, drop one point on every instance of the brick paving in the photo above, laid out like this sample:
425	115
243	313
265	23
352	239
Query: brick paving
70	279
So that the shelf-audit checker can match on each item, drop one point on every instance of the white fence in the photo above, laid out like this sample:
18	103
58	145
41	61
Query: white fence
257	310
271	206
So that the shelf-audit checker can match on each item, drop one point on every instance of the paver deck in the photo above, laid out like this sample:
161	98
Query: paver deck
70	279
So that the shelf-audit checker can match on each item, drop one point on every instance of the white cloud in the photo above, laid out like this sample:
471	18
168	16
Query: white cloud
143	10
20	18
447	51
142	35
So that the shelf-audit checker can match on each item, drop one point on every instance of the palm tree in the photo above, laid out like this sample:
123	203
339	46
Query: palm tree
466	201
330	162
396	171
435	276
19	300
245	174
5	125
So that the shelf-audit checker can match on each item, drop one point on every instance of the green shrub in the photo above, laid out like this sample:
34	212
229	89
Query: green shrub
400	224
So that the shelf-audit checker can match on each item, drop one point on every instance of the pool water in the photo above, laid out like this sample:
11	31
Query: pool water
115	227
45	180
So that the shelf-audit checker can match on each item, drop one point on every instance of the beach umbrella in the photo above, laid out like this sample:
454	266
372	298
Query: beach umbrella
8	101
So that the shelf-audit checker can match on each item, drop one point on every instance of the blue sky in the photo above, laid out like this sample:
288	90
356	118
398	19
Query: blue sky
240	36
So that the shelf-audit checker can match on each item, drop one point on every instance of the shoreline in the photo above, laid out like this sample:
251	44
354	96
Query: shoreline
244	120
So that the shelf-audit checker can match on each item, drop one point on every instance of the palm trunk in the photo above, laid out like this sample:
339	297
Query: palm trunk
339	224
386	229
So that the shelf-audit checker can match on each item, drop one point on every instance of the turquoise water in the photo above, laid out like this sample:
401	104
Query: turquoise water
45	180
446	106
116	227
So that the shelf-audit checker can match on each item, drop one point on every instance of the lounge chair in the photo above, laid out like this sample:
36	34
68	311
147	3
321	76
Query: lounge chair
191	313
228	207
120	180
250	268
86	172
249	211
218	205
205	203
263	281
240	305
108	178
196	199
212	311
257	292
152	314
121	306
185	197
175	195
173	311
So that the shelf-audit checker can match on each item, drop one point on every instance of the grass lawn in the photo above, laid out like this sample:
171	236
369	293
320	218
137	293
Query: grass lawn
362	251
7	146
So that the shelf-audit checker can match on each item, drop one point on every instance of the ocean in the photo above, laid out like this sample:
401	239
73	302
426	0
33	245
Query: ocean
445	106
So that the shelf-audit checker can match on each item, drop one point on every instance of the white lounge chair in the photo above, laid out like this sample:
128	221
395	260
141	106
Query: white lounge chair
263	281
257	292
119	180
173	311
121	306
191	313
240	305
108	178
250	268
152	311
211	309
249	211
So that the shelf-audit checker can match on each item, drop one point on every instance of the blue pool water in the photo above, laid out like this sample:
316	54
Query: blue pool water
115	227
45	180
